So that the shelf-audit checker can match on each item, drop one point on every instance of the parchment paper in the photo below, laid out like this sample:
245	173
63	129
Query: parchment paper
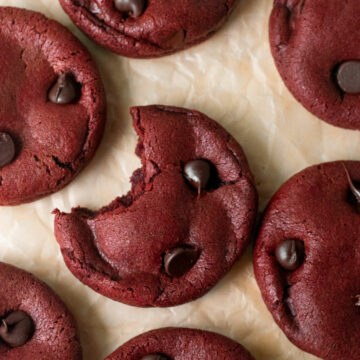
232	79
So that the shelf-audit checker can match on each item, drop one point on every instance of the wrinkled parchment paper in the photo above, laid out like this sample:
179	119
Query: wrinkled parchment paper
232	79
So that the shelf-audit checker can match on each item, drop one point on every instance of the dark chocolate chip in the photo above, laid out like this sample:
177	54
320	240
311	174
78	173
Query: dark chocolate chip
198	173
65	91
290	254
180	260
7	149
348	77
354	190
155	357
16	329
133	8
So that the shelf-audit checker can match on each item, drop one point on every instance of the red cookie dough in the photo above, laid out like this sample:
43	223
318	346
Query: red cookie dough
119	250
181	344
52	142
317	305
165	26
309	41
54	334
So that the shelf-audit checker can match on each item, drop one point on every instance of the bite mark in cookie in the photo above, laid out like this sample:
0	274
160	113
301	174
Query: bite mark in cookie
164	243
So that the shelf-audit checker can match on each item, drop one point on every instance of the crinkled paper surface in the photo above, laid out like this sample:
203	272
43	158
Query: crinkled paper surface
231	78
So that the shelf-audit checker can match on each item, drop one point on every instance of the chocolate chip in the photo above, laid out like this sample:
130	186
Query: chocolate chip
348	77
155	357
7	149
16	329
133	8
290	254
357	300
180	260
65	91
198	173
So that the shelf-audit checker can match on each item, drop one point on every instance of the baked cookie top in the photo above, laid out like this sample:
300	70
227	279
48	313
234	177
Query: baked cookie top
52	109
186	220
148	28
318	56
35	324
180	344
307	258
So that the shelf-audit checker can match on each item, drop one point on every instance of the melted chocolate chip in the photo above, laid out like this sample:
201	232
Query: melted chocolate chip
16	329
290	254
354	190
198	173
65	91
7	149
348	77
155	357
133	8
180	260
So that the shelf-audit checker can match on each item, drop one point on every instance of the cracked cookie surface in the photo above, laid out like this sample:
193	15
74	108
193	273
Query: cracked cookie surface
163	27
181	344
310	39
53	141
129	250
54	334
315	301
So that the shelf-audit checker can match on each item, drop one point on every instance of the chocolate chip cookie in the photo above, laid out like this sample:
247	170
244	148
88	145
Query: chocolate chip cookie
52	109
180	344
148	28
315	44
307	259
186	220
34	322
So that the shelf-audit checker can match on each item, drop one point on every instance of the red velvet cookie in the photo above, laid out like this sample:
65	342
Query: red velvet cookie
35	324
180	344
318	56
186	220
52	109
148	28
307	259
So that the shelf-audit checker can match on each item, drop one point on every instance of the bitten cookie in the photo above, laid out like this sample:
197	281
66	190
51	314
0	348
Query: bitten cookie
307	259
180	344
34	322
186	220
318	56
148	28
52	109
